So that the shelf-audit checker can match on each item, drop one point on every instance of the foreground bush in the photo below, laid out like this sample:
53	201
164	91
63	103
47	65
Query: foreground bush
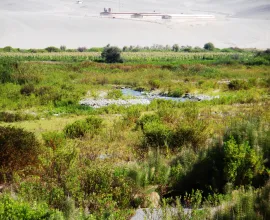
80	128
247	204
191	135
11	208
237	161
157	134
18	150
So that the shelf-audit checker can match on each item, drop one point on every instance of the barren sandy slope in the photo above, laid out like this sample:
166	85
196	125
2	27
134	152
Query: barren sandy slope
39	23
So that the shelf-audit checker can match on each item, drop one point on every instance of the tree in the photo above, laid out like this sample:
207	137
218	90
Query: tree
209	46
63	47
111	54
52	49
7	49
175	48
82	49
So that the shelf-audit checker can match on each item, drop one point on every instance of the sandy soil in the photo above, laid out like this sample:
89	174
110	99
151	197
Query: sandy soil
39	23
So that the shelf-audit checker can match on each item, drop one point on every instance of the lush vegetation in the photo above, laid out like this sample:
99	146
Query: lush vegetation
192	160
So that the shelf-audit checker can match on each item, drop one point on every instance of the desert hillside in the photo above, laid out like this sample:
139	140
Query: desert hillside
37	23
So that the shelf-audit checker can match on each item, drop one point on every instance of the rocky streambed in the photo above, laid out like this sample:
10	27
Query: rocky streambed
132	97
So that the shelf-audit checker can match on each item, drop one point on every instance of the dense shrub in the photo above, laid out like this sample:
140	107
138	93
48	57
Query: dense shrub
27	90
63	48
133	114
111	55
7	49
242	163
18	150
153	171
11	208
82	49
147	119
175	48
91	125
6	69
52	49
13	117
103	189
178	92
237	161
53	139
115	94
264	54
237	85
209	46
157	134
247	204
191	135
155	83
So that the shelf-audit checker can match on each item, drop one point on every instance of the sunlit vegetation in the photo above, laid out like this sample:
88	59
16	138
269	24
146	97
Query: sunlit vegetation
191	160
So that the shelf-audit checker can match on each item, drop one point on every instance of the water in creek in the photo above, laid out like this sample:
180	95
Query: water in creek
145	95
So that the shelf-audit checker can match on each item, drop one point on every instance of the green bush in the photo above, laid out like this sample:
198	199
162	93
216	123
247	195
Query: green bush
27	90
115	94
242	163
11	208
238	84
91	125
103	189
157	134
191	135
209	46
7	49
54	139
6	69
155	83
52	49
246	204
151	172
147	119
176	93
262	201
18	150
13	117
133	114
111	55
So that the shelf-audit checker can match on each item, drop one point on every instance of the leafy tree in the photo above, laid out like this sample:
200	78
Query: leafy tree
209	46
175	48
63	47
7	49
82	49
52	49
111	55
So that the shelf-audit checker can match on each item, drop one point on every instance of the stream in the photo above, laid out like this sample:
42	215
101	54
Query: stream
133	97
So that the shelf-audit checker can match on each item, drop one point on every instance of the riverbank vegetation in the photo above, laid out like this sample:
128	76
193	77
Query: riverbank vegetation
194	159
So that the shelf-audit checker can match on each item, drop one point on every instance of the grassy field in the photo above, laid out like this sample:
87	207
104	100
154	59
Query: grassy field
61	160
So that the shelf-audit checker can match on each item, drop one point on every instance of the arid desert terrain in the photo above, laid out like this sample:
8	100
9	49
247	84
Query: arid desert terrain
38	24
